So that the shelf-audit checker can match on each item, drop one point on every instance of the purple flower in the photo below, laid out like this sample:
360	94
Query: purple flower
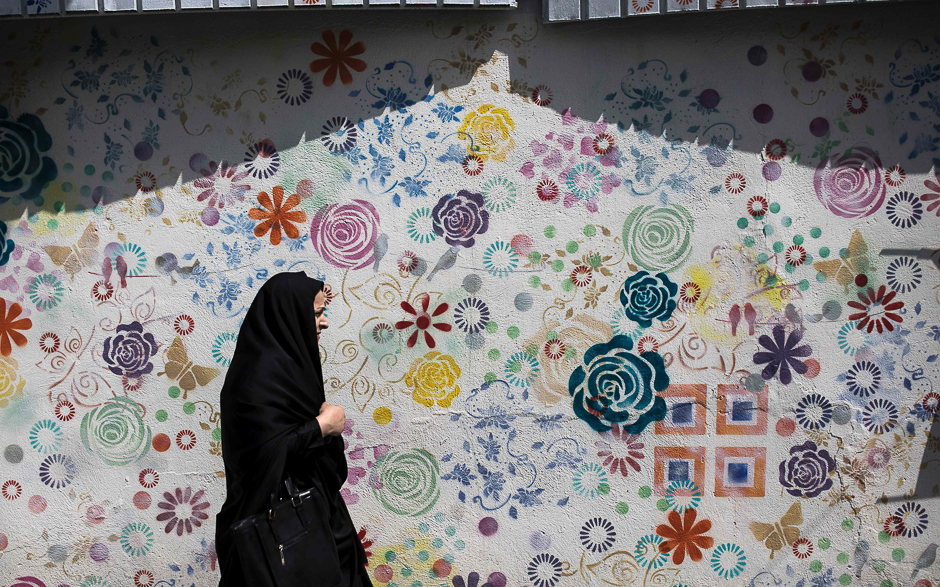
128	352
807	472
782	354
473	580
460	218
183	510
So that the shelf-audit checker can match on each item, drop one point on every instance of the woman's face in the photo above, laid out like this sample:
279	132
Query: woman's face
319	317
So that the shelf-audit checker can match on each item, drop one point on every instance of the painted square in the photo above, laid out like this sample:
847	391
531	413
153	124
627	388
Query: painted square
677	463
740	471
741	412
685	404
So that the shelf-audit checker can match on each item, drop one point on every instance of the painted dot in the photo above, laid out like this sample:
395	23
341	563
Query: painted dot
550	231
85	191
815	566
161	442
815	232
785	426
622	508
845	579
13	453
460	544
645	491
476	340
824	543
217	434
883	537
57	553
757	55
423	527
450	530
847	524
382	415
4	541
754	383
173	392
812	368
778	247
492	327
406	571
89	170
567	285
897	555
742	223
662	505
37	504
59	206
497	579
409	544
842	558
535	281
861	280
98	552
472	283
709	99
535	257
749	241
841	414
383	573
768	229
494	354
488	526
803	285
774	208
603	488
142	500
95	514
922	583
512	332
489	377
879	566
590	230
819	127
107	176
390	556
437	543
762	258
441	568
763	113
771	171
798	239
572	247
558	265
890	583
812	71
143	151
522	243
539	540
189	408
423	555
771	280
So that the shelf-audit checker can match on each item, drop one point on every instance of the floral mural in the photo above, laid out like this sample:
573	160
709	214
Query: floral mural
656	316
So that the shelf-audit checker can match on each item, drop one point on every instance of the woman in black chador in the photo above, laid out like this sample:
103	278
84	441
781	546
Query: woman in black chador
276	422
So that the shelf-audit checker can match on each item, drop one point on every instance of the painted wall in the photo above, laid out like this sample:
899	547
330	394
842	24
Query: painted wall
609	302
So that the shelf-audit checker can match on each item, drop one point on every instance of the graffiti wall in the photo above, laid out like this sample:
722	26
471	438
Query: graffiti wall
641	303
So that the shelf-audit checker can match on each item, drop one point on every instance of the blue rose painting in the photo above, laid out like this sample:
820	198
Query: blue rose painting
647	297
618	386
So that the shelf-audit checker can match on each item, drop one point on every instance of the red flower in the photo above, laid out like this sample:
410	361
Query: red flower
185	439
338	58
894	526
422	320
542	95
366	543
327	294
148	478
802	548
876	310
934	197
407	261
102	291
547	190
857	103
757	206
735	183
776	150
9	326
603	143
11	489
472	165
64	410
582	276
684	535
795	255
690	292
49	342
146	182
276	215
143	578
647	344
184	324
555	349
622	449
895	176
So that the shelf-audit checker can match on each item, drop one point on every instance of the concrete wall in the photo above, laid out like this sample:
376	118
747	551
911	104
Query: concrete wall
588	284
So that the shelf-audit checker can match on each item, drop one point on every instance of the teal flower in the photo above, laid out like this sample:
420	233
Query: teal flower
617	386
728	560
647	552
646	297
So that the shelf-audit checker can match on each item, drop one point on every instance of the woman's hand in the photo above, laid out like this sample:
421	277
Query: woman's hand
332	420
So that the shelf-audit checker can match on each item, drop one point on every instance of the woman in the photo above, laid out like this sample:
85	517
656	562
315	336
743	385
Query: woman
276	422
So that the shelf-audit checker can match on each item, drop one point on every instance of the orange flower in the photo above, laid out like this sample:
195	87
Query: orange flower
685	535
9	326
277	215
337	58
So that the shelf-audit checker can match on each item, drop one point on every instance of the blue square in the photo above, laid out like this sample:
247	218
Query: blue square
678	471
737	472
741	411
682	413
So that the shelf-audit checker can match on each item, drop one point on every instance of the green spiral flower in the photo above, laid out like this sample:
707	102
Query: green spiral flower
405	481
116	433
136	539
658	238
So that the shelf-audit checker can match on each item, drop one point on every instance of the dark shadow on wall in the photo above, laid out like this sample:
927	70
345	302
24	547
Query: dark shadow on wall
758	81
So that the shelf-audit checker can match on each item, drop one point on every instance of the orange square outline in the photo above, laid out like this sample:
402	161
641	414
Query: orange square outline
759	428
660	453
759	453
697	390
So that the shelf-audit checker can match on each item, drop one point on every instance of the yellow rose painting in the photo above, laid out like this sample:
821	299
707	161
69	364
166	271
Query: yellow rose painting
433	378
11	385
488	130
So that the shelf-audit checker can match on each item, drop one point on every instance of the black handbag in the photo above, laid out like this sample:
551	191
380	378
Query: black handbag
291	544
